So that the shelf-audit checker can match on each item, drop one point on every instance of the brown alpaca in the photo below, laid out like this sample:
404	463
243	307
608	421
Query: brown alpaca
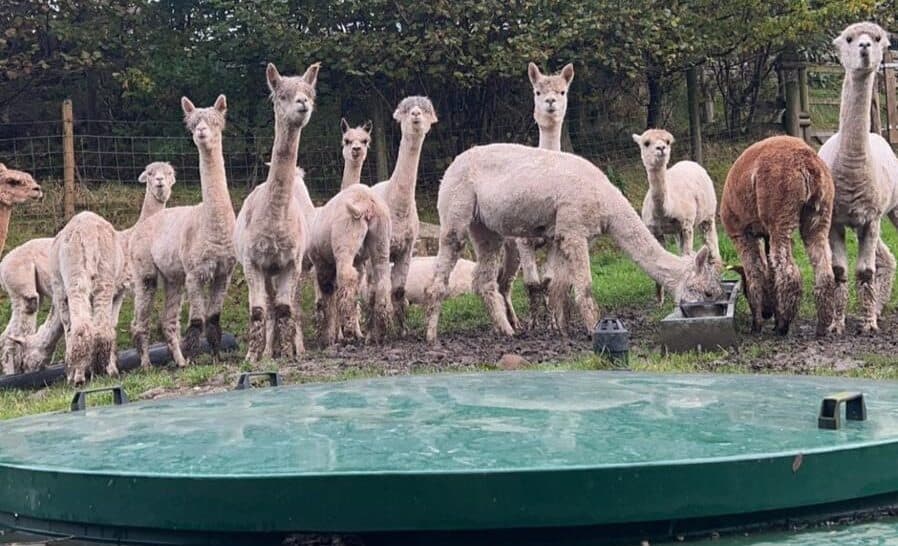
776	186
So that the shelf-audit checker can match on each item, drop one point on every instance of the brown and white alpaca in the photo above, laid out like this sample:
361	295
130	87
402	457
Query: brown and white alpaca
188	247
86	262
351	232
775	187
16	188
865	172
25	275
415	116
680	199
271	230
483	193
355	150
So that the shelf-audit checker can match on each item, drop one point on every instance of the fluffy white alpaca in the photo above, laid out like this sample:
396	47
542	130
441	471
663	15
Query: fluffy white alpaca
355	149
680	199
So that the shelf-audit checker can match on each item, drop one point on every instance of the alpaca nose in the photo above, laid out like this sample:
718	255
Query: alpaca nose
865	46
550	101
661	147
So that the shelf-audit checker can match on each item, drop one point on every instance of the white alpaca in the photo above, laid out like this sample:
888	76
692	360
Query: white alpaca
188	247
680	199
355	149
415	116
865	172
350	232
420	277
25	275
16	187
271	230
568	199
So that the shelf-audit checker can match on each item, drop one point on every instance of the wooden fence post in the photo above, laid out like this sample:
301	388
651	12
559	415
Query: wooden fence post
695	116
68	169
891	99
805	100
793	104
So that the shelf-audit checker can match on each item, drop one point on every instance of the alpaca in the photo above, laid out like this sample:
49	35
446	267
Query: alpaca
865	171
355	150
25	275
680	199
188	247
776	186
415	116
350	232
567	199
16	187
549	108
420	276
271	229
86	262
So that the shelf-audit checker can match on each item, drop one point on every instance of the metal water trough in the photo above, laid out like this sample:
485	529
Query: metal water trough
703	326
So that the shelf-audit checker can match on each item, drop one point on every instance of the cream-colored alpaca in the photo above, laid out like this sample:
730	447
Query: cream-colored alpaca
355	150
86	262
415	116
16	187
566	198
25	275
188	247
351	232
420	277
865	172
271	230
680	199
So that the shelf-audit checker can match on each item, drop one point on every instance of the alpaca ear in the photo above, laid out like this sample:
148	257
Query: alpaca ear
568	73
186	105
397	115
16	339
367	126
837	41
221	104
637	138
344	126
311	75
273	76
433	116
703	258
2	167
534	73
144	176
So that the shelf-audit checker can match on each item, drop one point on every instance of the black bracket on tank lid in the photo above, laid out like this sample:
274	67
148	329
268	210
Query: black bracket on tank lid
245	380
79	401
830	417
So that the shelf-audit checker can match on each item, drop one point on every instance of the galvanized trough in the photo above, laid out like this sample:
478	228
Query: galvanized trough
703	326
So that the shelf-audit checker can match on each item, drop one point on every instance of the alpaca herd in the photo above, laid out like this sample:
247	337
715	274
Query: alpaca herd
509	200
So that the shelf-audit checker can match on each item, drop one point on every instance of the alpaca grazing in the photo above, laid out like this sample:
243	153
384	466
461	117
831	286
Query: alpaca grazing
415	116
420	277
188	247
26	276
483	193
865	171
271	229
355	149
351	232
776	186
680	199
16	187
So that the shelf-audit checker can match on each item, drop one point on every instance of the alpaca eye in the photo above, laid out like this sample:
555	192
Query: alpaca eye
538	93
365	142
646	144
562	92
876	38
848	39
345	143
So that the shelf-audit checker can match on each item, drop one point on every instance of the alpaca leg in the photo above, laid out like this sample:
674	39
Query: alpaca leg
258	313
840	275
787	280
659	288
77	320
451	244
285	335
218	290
398	274
755	266
327	319
171	320
572	261
511	262
144	294
103	303
379	279
885	274
197	314
488	246
536	291
815	235
347	294
865	272
22	322
38	349
687	239
709	234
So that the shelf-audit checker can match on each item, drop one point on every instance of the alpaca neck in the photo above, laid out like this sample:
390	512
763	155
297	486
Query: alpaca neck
401	191
217	211
151	206
854	119
550	137
283	168
657	188
634	239
352	173
5	213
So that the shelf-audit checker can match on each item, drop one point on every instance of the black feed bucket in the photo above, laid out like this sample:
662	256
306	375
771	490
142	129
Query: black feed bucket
611	340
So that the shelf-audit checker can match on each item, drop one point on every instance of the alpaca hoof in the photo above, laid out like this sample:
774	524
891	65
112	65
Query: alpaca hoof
190	346
869	327
112	370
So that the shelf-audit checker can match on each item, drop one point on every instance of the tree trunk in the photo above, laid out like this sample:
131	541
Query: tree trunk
379	139
656	96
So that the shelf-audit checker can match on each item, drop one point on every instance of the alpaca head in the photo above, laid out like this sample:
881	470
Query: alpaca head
860	47
17	187
701	280
27	352
550	94
415	115
654	145
205	124
355	141
293	96
159	177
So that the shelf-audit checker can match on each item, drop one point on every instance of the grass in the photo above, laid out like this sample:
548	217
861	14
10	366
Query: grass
617	284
